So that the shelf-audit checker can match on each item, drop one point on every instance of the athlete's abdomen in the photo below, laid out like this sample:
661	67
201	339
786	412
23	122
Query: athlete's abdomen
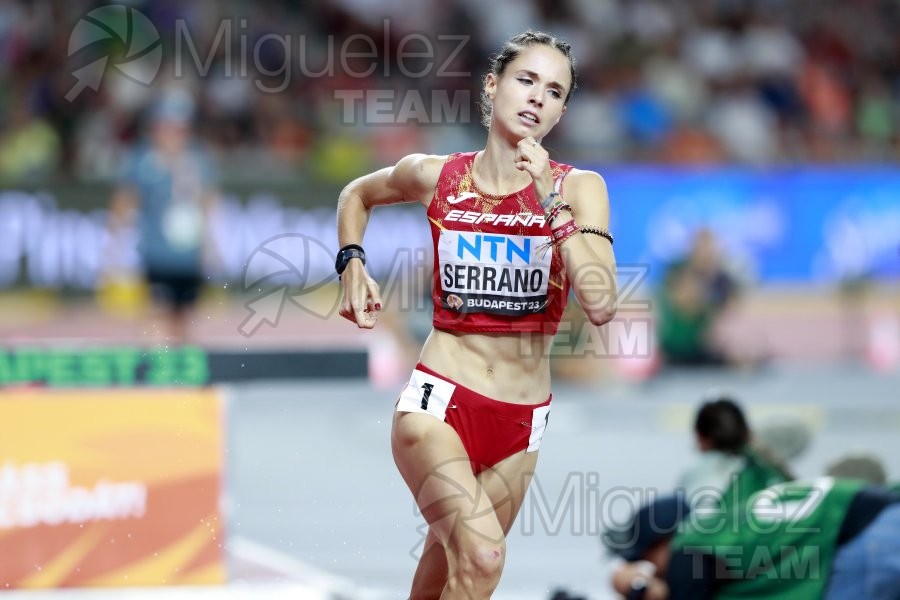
508	367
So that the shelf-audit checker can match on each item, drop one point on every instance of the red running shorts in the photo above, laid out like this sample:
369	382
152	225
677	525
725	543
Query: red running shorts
490	430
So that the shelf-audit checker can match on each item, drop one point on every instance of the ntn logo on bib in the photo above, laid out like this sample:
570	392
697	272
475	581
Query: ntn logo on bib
495	248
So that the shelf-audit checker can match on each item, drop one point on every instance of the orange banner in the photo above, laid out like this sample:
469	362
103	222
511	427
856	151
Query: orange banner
110	488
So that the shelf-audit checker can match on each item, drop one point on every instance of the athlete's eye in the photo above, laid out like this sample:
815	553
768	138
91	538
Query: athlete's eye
525	80
555	93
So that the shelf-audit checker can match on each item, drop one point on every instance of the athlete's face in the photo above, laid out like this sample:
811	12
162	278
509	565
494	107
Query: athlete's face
529	97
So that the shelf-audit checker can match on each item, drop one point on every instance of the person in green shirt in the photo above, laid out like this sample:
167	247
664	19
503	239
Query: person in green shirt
730	465
695	292
826	538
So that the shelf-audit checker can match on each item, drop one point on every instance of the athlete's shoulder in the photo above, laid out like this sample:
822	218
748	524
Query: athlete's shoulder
419	172
584	183
422	162
586	191
585	177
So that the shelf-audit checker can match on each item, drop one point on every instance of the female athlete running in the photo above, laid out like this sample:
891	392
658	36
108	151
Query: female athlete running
513	232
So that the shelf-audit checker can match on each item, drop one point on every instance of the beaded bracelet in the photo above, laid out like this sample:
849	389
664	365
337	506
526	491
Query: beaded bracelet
558	208
597	231
564	232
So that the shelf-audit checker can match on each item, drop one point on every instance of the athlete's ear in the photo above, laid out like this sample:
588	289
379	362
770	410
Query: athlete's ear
490	85
562	113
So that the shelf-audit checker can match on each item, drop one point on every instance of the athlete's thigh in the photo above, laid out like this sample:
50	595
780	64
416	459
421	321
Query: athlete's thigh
506	483
436	468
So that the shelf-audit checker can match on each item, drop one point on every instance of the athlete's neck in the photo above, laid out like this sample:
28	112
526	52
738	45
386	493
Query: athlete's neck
495	169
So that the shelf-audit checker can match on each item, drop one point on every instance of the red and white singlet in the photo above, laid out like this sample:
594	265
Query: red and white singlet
494	270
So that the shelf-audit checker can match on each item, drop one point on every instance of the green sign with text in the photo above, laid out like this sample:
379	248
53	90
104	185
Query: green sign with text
104	367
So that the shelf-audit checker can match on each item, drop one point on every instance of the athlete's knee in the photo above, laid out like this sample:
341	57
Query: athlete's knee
485	561
479	565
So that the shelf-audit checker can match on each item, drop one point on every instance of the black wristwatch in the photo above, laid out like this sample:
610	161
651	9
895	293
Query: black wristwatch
345	254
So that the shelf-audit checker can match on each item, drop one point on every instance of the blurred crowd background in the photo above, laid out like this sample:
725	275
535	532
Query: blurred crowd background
676	81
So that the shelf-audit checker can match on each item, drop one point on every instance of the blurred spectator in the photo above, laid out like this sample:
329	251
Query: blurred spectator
691	145
29	146
673	550
743	125
859	465
695	292
782	437
729	464
166	191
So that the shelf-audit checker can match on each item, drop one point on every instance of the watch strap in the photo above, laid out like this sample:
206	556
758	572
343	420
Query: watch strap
347	253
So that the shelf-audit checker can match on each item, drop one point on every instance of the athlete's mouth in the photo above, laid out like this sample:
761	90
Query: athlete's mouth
527	114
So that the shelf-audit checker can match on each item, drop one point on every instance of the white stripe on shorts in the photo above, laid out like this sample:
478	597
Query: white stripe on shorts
539	417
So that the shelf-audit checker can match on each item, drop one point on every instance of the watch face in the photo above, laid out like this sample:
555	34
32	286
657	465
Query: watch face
344	257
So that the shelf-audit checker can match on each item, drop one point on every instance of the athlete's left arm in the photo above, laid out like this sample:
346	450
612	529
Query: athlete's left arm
589	259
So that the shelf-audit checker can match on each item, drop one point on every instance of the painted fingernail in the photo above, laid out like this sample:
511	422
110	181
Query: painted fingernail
378	306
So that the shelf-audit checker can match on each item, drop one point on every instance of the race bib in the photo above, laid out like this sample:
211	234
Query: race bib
494	273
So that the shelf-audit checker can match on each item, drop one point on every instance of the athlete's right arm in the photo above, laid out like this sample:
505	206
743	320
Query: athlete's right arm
412	179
